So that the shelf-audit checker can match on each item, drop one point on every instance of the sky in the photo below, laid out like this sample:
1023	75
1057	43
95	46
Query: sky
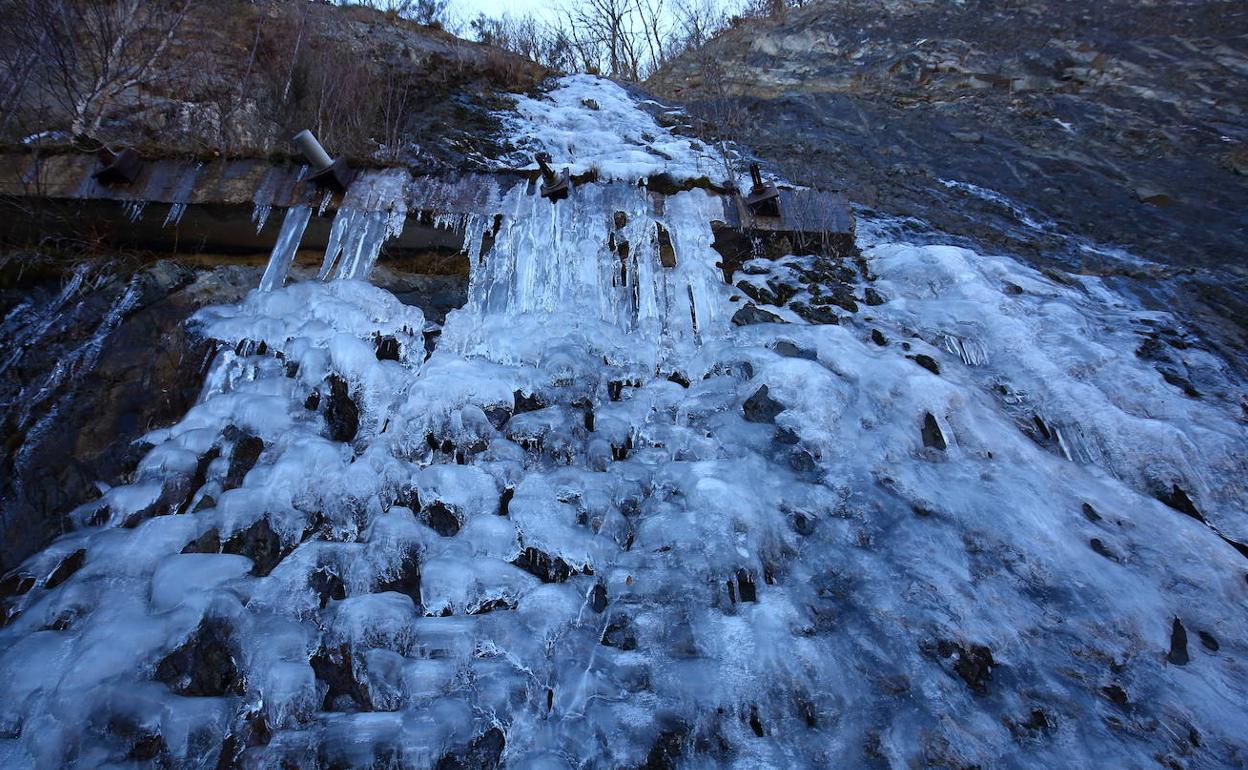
470	8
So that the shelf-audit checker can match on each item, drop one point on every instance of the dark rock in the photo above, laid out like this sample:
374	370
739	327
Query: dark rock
199	477
679	379
1177	499
742	370
525	402
204	504
1012	288
504	500
598	598
498	415
441	518
260	544
806	712
1038	721
756	724
815	315
204	664
1178	644
746	588
666	752
802	461
927	362
68	566
1154	197
1208	641
327	585
335	667
789	350
209	542
1116	695
313	401
387	348
621	452
484	753
547	568
1102	549
973	663
751	314
786	437
15	584
878	337
975	667
143	744
246	451
619	634
761	407
341	412
873	297
407	580
1090	513
932	436
490	605
614	389
407	496
251	731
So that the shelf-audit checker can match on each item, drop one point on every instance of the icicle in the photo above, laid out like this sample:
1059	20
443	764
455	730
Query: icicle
971	352
283	255
133	209
181	195
174	216
260	215
355	241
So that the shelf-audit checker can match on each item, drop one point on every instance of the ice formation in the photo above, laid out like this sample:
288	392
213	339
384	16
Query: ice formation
602	525
587	123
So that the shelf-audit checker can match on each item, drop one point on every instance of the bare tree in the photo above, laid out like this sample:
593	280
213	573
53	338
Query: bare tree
92	52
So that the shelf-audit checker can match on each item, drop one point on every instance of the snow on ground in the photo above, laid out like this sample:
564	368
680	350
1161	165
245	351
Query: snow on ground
603	525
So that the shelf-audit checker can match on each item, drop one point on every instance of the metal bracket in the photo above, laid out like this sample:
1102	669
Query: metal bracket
118	168
554	186
764	198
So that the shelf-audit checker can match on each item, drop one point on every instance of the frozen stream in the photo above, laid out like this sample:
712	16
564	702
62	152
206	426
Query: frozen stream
605	526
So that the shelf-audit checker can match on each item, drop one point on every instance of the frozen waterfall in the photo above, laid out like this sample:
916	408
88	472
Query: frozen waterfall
604	525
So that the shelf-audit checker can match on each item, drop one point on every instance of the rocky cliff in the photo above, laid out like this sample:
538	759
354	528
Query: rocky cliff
1102	137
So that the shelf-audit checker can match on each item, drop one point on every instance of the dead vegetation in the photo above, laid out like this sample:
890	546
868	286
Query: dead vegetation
237	78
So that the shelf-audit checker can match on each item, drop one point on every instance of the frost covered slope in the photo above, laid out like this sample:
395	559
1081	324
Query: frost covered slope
590	124
610	523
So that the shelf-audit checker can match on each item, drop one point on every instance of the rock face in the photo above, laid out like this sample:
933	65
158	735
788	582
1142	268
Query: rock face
86	373
1033	127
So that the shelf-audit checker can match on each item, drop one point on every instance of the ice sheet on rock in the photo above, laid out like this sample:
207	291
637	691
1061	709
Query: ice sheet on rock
616	139
1066	355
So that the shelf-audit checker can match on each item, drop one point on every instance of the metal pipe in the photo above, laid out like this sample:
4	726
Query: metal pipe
548	173
312	150
755	174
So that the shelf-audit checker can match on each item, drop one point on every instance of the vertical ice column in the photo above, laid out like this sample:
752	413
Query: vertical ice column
355	241
284	250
